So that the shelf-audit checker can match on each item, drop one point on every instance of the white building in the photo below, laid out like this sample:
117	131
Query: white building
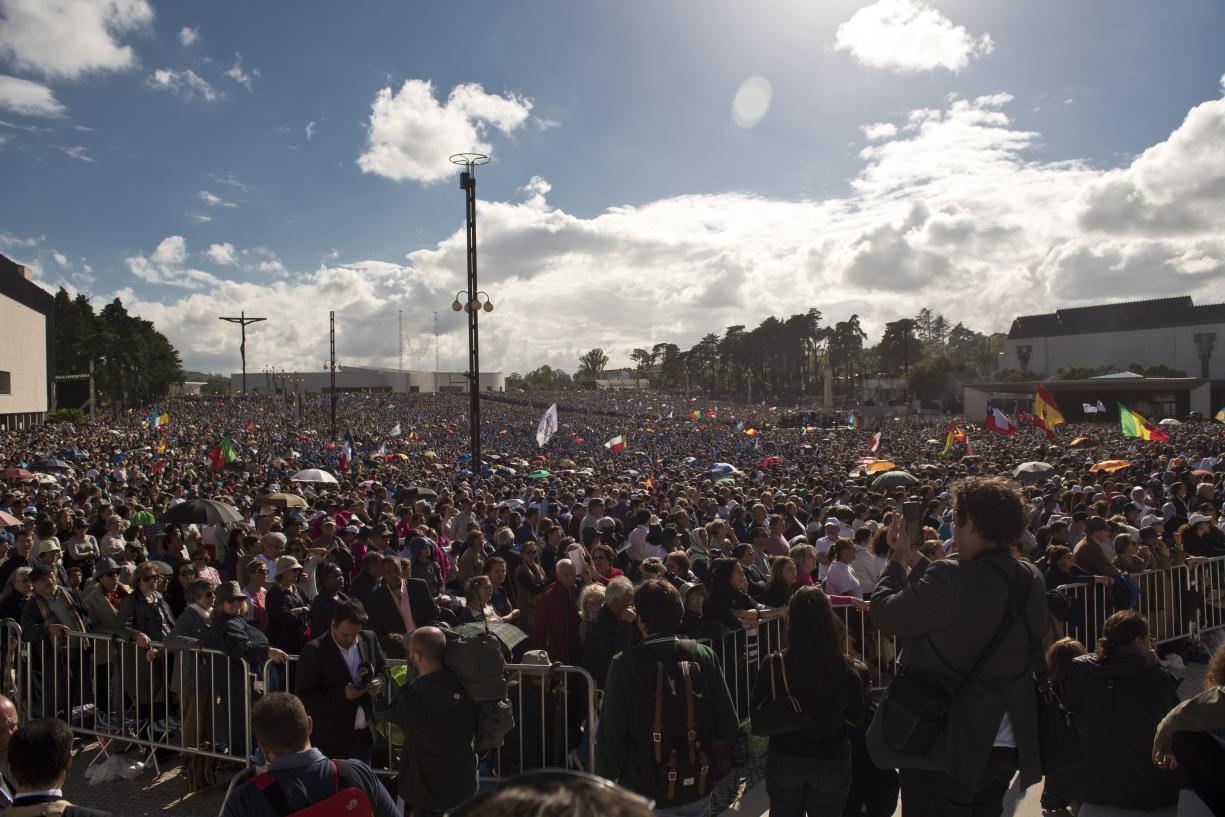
1170	331
363	379
27	347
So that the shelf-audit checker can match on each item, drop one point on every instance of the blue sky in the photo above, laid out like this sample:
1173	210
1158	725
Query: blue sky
285	158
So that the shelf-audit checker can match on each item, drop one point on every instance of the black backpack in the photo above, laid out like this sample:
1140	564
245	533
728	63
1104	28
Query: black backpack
676	722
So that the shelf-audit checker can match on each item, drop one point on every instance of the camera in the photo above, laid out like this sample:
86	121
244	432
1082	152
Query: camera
365	674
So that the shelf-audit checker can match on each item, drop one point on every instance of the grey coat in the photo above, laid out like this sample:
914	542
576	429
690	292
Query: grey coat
186	638
944	615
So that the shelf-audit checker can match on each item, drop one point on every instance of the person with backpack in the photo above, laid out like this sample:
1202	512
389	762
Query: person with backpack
39	756
438	765
301	777
665	705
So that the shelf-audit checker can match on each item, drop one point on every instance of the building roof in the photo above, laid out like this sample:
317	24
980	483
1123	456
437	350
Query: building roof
15	285
1158	313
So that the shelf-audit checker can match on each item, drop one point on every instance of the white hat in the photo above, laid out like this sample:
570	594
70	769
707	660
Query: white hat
1151	519
1196	518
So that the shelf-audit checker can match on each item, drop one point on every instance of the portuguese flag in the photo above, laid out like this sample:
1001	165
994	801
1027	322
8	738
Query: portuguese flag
224	452
1134	425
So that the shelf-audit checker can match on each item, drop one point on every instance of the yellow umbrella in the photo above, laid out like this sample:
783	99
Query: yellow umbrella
429	455
1082	442
566	463
1111	466
880	466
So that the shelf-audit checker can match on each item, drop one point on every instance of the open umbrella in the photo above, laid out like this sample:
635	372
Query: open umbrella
1033	471
51	465
16	473
201	512
142	518
7	520
1082	442
416	492
1170	421
726	481
541	474
768	461
1110	466
45	479
313	475
567	463
72	453
281	500
629	472
895	479
429	455
880	466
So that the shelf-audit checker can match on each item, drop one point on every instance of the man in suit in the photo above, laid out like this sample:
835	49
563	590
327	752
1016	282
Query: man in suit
40	752
340	675
400	606
946	614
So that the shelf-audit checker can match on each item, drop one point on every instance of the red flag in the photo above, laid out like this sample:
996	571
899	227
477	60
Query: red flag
998	422
874	443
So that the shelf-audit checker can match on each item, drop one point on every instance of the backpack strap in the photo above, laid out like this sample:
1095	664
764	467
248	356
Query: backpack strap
345	778
691	723
657	728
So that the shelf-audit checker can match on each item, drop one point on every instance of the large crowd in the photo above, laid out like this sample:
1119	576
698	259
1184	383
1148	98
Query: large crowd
711	533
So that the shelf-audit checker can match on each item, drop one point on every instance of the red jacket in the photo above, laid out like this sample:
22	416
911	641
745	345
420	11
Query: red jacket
556	624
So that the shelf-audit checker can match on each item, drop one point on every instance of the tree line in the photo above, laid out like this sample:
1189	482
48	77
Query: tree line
133	362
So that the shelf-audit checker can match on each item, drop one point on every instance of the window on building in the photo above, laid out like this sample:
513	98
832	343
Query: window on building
6	383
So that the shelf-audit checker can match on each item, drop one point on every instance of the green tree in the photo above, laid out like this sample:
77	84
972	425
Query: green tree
591	364
931	378
899	348
1083	371
543	378
1156	370
216	386
644	360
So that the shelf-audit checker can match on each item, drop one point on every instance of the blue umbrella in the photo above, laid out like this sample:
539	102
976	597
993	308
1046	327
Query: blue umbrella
72	453
464	458
464	472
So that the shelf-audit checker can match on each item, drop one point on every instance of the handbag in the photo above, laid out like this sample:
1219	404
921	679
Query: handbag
914	711
779	716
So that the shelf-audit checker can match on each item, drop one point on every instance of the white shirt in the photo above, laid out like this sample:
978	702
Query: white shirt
868	567
353	659
842	581
638	542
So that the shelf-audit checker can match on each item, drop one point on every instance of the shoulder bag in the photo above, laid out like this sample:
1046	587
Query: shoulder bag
778	716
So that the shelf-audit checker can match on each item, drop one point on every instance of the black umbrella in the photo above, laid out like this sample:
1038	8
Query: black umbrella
201	512
416	492
51	465
1033	472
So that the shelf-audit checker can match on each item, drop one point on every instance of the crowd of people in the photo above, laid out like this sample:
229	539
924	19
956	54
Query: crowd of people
713	563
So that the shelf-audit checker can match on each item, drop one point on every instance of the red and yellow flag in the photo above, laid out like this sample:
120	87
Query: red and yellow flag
1046	412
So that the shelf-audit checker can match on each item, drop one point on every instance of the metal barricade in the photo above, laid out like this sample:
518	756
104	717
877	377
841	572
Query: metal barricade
1208	579
865	643
1163	595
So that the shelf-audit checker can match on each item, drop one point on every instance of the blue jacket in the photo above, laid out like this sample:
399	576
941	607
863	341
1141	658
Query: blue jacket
306	778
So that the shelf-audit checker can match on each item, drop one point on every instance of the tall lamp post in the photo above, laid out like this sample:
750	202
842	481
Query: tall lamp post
1204	343
472	303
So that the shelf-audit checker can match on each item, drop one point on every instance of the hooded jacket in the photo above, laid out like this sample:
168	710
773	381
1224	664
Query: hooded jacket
1119	702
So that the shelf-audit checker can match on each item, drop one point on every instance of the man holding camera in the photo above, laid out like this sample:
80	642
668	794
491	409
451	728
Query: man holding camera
965	627
340	676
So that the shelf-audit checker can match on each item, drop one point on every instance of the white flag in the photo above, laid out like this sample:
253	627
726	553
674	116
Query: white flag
395	431
1089	408
1101	407
547	427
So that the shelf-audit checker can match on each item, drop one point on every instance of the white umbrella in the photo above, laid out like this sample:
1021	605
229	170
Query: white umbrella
313	475
1170	421
45	479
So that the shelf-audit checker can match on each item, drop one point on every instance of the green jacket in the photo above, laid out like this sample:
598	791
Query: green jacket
618	746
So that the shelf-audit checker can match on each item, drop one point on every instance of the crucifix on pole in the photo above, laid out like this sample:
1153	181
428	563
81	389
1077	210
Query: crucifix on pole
242	322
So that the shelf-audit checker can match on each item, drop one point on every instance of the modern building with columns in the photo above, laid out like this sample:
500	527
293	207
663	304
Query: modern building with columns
1170	331
359	379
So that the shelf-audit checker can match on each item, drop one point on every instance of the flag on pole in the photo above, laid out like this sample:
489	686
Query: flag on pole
1219	416
695	415
547	426
852	419
1088	408
998	422
1046	412
874	442
1134	425
395	431
616	444
346	452
752	432
1101	407
948	443
740	426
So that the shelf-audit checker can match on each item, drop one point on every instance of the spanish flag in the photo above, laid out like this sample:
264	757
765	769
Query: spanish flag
1134	425
1046	413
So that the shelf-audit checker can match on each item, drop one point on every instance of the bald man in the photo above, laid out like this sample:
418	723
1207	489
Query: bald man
438	768
8	725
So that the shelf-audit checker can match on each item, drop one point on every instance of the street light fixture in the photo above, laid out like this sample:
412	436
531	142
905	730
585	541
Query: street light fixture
471	302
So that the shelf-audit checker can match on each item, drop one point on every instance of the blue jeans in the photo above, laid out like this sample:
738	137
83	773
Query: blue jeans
698	808
800	786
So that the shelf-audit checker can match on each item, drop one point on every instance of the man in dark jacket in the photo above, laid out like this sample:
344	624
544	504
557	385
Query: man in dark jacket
400	606
438	767
47	618
300	775
946	614
39	755
340	675
614	628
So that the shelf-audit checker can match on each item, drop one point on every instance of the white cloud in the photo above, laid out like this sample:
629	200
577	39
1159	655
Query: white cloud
879	130
214	201
410	135
78	152
908	36
202	218
311	127
221	254
186	83
188	35
955	210
60	258
242	77
9	240
66	39
165	266
28	98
